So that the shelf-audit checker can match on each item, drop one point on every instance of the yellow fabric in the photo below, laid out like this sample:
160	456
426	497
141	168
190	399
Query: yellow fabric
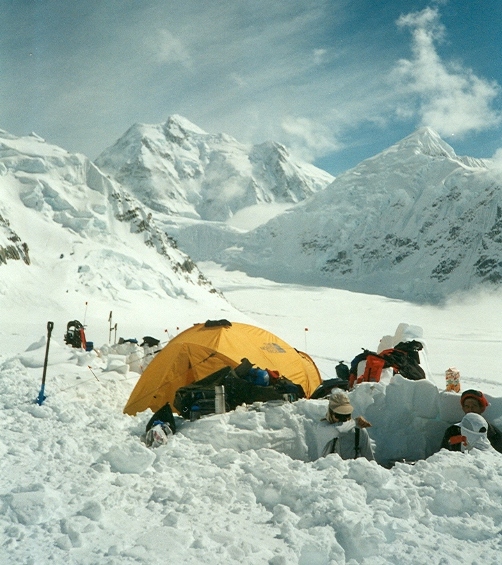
200	351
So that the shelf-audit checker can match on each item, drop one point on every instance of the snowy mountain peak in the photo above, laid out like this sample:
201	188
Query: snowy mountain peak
415	222
177	124
177	169
426	141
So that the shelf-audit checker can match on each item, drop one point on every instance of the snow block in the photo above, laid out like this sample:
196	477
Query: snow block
450	409
129	459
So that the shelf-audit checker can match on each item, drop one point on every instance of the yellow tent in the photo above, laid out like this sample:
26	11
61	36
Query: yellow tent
205	348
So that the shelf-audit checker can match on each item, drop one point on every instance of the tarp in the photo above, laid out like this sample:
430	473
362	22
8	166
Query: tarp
205	348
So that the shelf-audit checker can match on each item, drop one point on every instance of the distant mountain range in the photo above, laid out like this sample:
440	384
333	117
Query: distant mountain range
415	222
175	168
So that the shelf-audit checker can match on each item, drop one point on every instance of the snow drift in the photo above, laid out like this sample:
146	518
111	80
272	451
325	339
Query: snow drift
79	486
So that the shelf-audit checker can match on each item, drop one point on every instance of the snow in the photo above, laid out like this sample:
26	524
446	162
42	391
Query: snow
79	485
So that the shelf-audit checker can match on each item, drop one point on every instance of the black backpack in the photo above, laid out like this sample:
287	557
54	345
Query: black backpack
325	388
165	416
74	332
342	371
201	394
238	391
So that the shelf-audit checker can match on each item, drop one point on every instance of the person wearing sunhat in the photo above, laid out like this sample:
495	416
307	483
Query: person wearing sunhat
340	433
472	402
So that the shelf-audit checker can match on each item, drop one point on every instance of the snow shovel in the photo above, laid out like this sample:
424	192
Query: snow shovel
41	395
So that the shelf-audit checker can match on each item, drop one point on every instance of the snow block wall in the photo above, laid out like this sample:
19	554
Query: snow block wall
409	417
408	421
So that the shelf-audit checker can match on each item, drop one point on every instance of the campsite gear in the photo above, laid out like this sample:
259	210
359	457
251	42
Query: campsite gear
200	395
238	391
203	349
149	341
195	413
257	377
110	329
164	415
342	371
403	358
452	379
94	374
326	387
158	434
89	345
75	334
411	348
219	399
128	340
41	394
216	323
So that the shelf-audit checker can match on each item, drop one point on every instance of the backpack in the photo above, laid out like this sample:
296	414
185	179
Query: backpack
149	341
342	371
164	416
403	358
75	335
325	388
375	363
404	364
201	394
160	427
239	389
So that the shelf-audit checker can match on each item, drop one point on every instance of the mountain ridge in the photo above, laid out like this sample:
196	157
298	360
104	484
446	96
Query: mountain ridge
178	169
415	222
59	211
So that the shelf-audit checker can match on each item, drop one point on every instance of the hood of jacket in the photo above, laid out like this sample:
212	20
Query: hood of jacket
474	428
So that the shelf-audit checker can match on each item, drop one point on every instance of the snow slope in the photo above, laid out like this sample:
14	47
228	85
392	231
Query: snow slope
67	230
79	486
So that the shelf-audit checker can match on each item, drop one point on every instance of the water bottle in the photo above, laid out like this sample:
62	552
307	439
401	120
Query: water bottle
219	399
194	413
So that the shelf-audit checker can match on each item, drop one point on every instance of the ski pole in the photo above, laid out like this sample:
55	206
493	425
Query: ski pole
41	395
110	327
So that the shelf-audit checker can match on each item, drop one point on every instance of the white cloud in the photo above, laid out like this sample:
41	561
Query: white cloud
309	138
169	49
497	159
448	97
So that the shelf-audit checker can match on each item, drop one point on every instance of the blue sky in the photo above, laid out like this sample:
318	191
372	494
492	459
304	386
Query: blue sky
336	81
